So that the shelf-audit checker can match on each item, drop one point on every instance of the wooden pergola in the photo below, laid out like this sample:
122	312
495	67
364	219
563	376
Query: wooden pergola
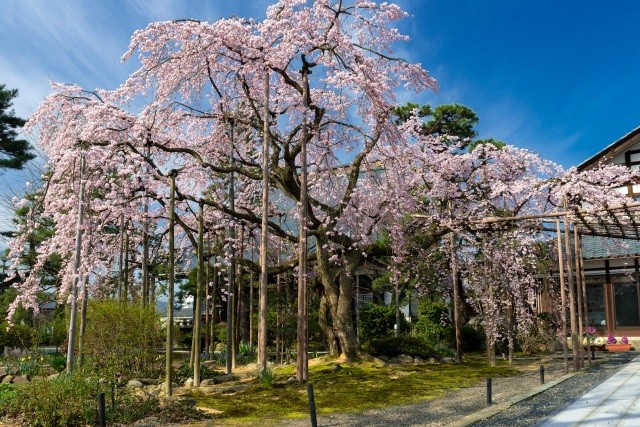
569	226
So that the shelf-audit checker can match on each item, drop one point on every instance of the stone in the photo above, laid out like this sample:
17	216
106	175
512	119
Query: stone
233	388
20	379
394	361
336	367
8	379
188	382
418	360
169	400
384	358
210	364
432	361
53	376
2	375
225	378
403	358
378	362
292	380
447	360
207	383
148	381
209	411
252	366
134	384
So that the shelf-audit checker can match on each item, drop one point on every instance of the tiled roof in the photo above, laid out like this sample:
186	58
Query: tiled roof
595	247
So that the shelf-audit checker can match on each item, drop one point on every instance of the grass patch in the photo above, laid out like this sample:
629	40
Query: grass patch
353	388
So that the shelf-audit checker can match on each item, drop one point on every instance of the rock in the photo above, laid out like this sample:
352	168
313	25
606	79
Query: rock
447	360
403	358
292	380
188	382
2	376
384	358
20	379
8	379
233	388
418	360
378	362
134	384
210	364
148	381
209	411
207	383
432	361
252	366
225	378
394	361
336	367
53	376
169	400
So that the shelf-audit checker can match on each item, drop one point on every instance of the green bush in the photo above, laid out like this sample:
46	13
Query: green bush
70	400
432	319
394	346
20	336
377	321
185	371
472	339
121	339
58	362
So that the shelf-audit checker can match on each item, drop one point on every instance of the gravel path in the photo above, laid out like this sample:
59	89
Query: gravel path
457	404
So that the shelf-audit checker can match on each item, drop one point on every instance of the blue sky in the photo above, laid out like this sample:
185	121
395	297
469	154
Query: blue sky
557	77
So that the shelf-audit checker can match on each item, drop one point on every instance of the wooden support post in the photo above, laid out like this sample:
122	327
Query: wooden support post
264	230
576	252
585	309
170	291
563	299
198	300
76	267
572	297
230	264
302	357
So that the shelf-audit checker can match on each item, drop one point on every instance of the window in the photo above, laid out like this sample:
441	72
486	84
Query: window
595	301
625	289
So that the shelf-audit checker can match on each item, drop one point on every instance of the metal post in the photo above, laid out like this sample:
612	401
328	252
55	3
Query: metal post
541	374
102	418
489	381
312	405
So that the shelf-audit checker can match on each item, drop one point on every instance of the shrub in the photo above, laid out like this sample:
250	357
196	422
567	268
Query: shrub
394	346
377	321
472	338
70	400
432	320
185	371
266	377
58	362
20	336
121	339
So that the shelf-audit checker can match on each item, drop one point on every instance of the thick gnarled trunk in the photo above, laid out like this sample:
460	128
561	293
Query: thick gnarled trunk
336	307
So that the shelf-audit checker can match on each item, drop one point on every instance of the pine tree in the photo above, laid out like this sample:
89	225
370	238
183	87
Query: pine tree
14	152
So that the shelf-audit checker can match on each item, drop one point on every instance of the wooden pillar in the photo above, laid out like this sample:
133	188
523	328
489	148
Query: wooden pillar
563	299
572	296
576	252
170	291
198	300
264	230
585	309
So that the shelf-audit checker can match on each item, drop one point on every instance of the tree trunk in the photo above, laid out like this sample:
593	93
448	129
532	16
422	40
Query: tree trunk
338	295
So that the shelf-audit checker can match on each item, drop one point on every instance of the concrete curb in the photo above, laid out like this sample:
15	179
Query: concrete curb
499	407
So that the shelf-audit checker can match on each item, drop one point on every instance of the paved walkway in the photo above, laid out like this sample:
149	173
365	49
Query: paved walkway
615	402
